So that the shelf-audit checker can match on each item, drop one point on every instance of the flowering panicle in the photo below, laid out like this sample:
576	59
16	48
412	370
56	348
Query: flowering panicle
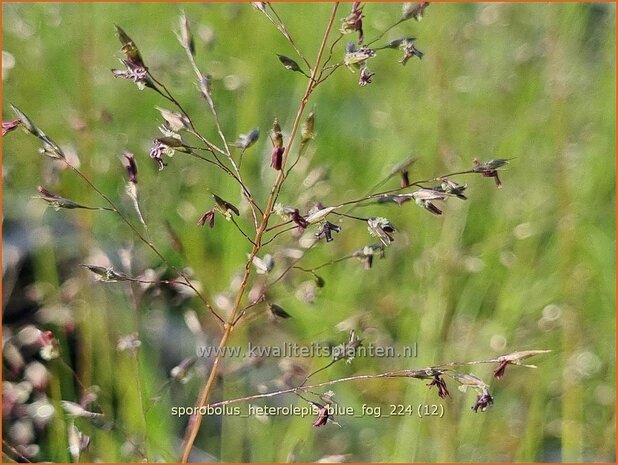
75	410
483	401
326	230
224	207
355	57
174	121
182	371
424	198
354	22
439	382
484	398
452	188
136	70
57	201
490	168
365	76
78	442
129	343
323	415
207	217
405	178
291	214
307	129
382	229
107	274
166	146
131	167
407	45
221	206
263	265
514	358
49	347
348	349
290	64
185	37
245	141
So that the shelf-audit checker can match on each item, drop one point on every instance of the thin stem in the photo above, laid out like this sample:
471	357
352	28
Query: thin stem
217	163
323	265
293	390
277	226
399	189
238	176
282	275
144	240
301	151
420	373
395	24
242	152
345	215
281	27
278	234
332	69
325	367
241	231
138	367
170	97
330	53
210	146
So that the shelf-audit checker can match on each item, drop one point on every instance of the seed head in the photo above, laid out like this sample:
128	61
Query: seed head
245	141
354	22
278	311
131	167
307	129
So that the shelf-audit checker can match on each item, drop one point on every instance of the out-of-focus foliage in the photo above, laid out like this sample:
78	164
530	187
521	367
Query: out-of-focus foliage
530	266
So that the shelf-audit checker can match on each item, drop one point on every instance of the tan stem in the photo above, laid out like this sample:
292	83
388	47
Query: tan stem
196	420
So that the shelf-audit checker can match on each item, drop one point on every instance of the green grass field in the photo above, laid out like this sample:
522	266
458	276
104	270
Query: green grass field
528	266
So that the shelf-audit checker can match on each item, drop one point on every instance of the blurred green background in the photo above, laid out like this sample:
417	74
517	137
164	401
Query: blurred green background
530	266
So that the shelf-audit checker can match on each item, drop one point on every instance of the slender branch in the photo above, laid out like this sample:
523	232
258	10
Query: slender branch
352	217
217	163
238	176
242	153
148	243
209	145
279	225
291	228
395	24
332	69
301	151
281	27
170	97
330	53
399	189
241	231
323	265
422	373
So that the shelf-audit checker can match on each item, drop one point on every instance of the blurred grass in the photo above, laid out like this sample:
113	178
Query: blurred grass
529	266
